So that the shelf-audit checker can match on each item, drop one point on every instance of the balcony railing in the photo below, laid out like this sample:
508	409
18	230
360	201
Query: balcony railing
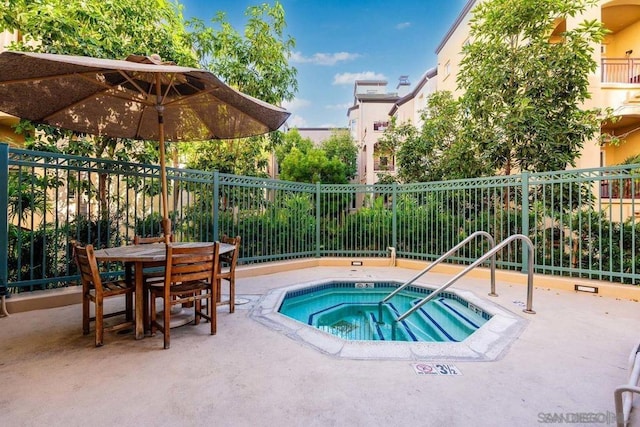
625	188
621	70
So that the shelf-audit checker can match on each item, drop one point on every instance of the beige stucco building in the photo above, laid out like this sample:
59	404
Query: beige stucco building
373	107
615	84
368	119
409	108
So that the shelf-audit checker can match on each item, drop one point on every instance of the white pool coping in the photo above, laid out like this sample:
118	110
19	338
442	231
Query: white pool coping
488	343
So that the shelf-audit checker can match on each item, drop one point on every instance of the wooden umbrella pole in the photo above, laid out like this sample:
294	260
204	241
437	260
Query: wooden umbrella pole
166	223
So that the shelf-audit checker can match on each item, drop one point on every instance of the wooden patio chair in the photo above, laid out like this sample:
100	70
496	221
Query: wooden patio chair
153	273
95	290
189	277
230	259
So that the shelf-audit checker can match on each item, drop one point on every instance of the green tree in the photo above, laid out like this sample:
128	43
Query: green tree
256	63
292	139
334	162
100	28
524	85
241	157
413	156
341	146
313	166
438	150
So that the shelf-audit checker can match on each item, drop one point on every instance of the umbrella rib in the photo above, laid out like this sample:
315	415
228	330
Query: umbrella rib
169	86
140	99
187	97
130	80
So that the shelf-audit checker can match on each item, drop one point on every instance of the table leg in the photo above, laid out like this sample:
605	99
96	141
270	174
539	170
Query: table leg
139	281
3	307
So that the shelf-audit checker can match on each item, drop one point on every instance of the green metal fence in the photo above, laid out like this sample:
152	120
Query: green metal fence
583	222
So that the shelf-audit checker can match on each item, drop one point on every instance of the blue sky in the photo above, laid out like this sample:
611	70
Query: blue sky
338	41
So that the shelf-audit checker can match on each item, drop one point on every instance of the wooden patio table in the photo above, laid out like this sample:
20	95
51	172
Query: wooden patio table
139	255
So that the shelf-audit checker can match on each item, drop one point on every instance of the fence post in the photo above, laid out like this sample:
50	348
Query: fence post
525	220
318	193
216	204
4	225
394	216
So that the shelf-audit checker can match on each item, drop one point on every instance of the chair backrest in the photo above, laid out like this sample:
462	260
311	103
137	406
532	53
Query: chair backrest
231	258
88	266
139	240
190	263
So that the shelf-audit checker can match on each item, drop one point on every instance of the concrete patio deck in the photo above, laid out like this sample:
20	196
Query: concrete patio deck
566	362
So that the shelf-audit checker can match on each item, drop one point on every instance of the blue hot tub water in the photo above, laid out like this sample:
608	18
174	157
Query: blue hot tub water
349	310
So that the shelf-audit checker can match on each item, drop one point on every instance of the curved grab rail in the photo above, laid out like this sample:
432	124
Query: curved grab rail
623	395
477	262
447	255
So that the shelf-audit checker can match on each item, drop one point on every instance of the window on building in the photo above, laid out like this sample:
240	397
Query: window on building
380	126
447	69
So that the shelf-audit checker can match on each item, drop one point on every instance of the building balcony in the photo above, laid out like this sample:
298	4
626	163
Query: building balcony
621	70
383	166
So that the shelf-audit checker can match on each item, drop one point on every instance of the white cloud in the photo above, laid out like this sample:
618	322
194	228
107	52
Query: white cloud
350	78
338	106
323	58
296	104
296	121
403	25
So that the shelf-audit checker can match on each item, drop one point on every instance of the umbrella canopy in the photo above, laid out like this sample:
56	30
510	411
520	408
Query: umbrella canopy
138	98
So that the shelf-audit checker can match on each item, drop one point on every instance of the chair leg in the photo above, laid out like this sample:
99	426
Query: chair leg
232	295
166	326
129	278
129	307
213	312
99	322
198	310
3	306
85	314
152	313
146	317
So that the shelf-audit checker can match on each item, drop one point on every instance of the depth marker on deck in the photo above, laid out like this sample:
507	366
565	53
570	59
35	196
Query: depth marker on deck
435	369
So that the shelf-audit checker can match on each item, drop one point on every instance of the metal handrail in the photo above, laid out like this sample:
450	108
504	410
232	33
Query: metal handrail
477	262
624	403
442	258
623	406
